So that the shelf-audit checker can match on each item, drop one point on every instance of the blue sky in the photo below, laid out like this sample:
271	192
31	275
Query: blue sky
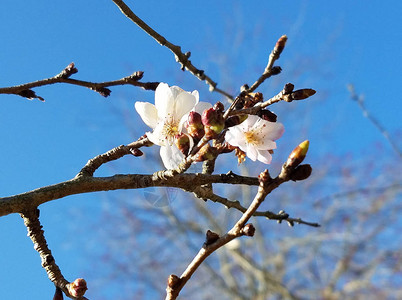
330	45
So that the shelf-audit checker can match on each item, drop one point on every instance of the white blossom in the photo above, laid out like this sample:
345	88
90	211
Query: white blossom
166	118
255	137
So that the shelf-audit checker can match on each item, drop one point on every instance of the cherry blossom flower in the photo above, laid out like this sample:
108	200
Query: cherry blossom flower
166	118
256	137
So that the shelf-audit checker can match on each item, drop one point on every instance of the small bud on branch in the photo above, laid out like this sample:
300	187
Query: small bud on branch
298	154
68	71
211	237
267	115
280	45
136	152
264	176
301	172
77	288
299	95
173	281
30	94
288	88
248	230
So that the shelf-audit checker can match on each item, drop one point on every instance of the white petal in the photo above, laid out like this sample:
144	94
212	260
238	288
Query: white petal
264	156
252	119
272	130
164	100
252	153
147	112
266	144
171	156
196	95
232	136
184	103
176	91
154	137
201	106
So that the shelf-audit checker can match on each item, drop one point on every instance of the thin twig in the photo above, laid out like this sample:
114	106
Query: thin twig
268	72
360	101
182	58
93	164
24	90
281	216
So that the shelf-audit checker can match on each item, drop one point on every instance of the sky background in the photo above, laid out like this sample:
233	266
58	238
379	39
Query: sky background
330	45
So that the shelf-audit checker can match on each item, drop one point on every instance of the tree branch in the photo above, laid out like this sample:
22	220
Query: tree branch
214	242
36	233
182	58
88	184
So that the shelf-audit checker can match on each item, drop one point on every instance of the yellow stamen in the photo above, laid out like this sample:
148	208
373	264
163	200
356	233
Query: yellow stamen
170	129
252	137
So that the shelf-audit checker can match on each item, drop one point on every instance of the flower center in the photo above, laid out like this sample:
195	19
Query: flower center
252	137
170	129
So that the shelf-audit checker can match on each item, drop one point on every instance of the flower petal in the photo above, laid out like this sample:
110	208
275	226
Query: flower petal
147	112
184	103
201	106
264	156
171	156
154	137
251	152
266	144
164	100
196	95
233	136
176	90
272	130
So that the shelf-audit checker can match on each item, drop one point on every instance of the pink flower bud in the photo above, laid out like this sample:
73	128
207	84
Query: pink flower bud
194	126
213	121
219	107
